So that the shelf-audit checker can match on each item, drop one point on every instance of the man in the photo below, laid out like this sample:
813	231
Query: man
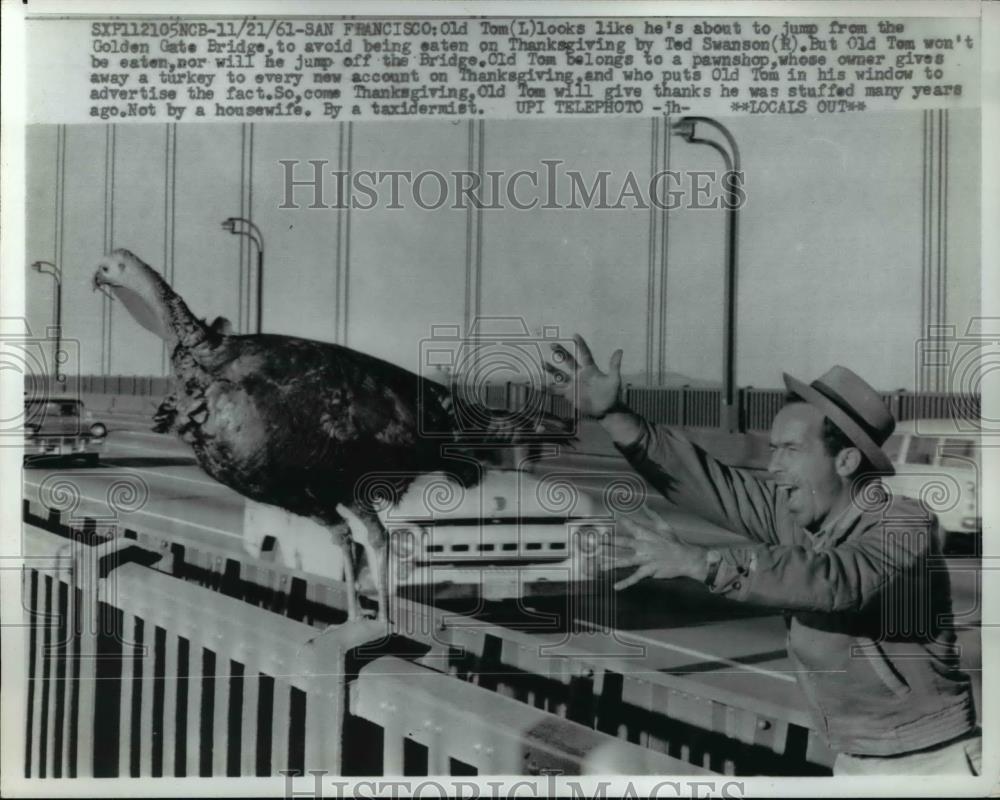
846	563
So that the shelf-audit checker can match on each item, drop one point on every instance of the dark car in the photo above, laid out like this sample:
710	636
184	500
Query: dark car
61	427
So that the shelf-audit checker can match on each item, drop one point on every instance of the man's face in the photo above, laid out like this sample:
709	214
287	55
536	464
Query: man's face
804	472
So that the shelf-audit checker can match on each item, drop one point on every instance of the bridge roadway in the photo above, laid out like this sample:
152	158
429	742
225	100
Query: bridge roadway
667	626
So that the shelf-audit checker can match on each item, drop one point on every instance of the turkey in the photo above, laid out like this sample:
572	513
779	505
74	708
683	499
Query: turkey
303	424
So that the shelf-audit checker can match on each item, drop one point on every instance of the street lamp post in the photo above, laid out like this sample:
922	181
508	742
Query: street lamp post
48	268
685	128
244	227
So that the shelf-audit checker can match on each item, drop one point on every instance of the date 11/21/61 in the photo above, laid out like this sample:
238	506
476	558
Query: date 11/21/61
258	28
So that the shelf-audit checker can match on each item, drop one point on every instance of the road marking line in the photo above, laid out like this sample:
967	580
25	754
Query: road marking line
210	483
638	637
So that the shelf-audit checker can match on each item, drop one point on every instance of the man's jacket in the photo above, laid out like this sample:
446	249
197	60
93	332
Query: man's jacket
867	599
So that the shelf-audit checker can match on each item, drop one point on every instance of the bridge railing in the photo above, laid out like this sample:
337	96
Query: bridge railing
134	672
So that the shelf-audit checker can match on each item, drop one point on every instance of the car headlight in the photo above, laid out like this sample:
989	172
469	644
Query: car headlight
98	430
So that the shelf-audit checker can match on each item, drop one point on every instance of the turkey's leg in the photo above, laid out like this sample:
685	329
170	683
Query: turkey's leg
379	564
367	531
347	546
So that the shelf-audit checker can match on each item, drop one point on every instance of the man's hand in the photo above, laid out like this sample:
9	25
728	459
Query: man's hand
654	548
592	391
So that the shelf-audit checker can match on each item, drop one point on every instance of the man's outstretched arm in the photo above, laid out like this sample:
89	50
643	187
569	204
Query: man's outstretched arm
681	471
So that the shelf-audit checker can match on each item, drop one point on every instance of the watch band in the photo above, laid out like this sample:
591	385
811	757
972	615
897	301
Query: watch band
713	559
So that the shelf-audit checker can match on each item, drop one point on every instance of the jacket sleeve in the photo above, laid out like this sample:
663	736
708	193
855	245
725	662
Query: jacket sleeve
692	480
846	577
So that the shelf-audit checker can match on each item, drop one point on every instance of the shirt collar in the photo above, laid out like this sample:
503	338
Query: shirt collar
833	528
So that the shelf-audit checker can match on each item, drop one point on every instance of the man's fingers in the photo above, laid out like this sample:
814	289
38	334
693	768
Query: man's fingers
634	578
586	357
635	530
618	551
616	363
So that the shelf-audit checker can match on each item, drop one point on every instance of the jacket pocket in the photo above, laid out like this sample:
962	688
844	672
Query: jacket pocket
883	666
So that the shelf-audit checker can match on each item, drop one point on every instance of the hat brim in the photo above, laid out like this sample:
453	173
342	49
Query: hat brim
875	454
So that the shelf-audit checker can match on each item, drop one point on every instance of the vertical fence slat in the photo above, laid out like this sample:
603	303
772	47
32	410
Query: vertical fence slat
170	685
392	752
57	675
36	622
146	706
280	724
220	725
48	737
47	716
322	722
129	655
248	737
437	756
86	653
66	687
194	687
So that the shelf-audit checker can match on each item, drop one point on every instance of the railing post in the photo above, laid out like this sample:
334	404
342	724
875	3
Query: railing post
324	663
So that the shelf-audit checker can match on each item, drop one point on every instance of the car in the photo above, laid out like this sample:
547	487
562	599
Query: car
61	427
514	535
940	465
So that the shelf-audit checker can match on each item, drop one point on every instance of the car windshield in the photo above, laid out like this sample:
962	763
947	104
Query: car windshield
922	450
51	408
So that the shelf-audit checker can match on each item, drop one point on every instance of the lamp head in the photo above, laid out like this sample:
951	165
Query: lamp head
684	128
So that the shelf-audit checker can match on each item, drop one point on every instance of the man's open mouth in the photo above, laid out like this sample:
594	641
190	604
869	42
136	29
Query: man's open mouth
789	489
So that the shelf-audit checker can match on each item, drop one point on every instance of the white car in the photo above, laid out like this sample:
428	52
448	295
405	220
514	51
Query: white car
941	466
515	534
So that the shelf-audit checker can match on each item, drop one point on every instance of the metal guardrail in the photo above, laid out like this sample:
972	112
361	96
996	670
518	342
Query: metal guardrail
727	725
494	735
133	672
683	406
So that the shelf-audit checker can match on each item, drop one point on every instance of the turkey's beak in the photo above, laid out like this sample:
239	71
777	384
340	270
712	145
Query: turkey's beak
99	286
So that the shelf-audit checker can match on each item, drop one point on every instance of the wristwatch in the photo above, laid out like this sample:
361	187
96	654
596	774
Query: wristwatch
713	558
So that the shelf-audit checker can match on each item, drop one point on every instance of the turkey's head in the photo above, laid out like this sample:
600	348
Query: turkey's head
148	298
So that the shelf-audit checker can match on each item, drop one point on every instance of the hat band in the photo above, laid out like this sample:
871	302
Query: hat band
870	430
